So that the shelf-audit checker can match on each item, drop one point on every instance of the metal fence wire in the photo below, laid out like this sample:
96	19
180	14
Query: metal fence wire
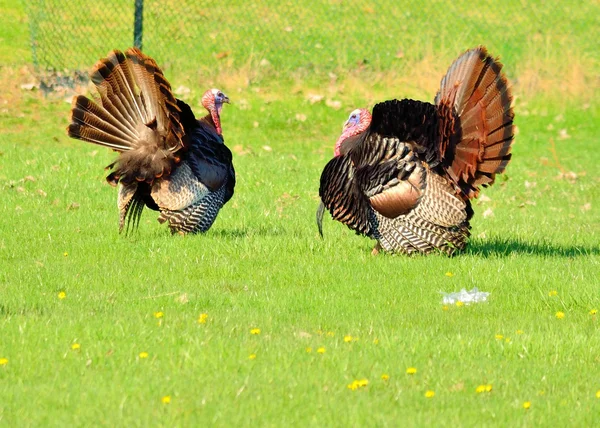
69	36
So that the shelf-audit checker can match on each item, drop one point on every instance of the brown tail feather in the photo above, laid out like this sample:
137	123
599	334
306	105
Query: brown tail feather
138	116
477	130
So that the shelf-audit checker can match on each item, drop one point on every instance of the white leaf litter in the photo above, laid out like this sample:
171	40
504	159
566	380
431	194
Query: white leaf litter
467	297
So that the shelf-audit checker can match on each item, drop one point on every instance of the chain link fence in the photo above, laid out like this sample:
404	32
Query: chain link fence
310	37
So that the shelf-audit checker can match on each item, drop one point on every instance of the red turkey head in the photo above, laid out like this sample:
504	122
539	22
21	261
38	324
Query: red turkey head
358	121
213	100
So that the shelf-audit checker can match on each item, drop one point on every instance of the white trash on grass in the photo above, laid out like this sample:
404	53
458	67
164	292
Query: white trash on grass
467	297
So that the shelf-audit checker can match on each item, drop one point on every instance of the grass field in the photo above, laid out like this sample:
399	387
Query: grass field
260	322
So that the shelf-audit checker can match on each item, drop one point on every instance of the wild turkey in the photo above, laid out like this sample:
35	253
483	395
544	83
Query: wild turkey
405	175
168	161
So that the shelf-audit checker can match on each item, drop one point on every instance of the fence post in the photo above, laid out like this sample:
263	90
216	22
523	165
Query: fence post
138	24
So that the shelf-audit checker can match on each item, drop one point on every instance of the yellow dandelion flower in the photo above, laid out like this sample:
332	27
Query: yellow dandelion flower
597	392
527	405
252	357
202	318
593	311
459	303
158	314
75	346
3	361
449	274
507	340
358	384
499	337
488	388
560	315
166	399
143	355
553	293
480	389
411	370
376	341
519	331
65	254
309	350
429	394
385	376
330	334
255	331
321	350
62	295
445	308
347	338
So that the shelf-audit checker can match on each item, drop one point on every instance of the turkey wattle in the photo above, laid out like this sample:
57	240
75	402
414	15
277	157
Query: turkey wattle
405	174
168	160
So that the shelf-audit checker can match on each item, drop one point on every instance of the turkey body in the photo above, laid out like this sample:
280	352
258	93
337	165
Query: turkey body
405	175
168	161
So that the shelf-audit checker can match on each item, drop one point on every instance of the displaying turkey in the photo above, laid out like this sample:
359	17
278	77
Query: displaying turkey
168	160
405	175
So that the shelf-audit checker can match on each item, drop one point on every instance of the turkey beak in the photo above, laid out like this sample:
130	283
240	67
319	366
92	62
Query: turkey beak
226	99
320	212
346	125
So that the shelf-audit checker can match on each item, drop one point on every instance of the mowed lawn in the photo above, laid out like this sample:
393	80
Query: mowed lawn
262	322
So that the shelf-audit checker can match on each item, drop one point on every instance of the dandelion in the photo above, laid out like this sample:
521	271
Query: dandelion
552	293
459	303
385	376
375	341
411	370
429	394
483	388
358	384
62	295
527	405
445	308
321	350
158	314
309	350
75	346
255	331
330	334
560	315
202	318
449	274
519	331
252	357
3	361
166	399
499	337
65	254
347	338
597	392
507	340
143	355
593	312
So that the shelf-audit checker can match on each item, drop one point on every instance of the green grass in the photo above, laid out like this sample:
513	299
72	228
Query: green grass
263	266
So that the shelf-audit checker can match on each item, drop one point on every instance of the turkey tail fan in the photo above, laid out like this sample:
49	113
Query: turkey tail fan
476	126
137	115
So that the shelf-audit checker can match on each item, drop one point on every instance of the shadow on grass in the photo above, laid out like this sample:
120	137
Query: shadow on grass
506	247
246	232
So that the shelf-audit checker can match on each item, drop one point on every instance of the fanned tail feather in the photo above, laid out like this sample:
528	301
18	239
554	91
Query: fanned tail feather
474	102
137	115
